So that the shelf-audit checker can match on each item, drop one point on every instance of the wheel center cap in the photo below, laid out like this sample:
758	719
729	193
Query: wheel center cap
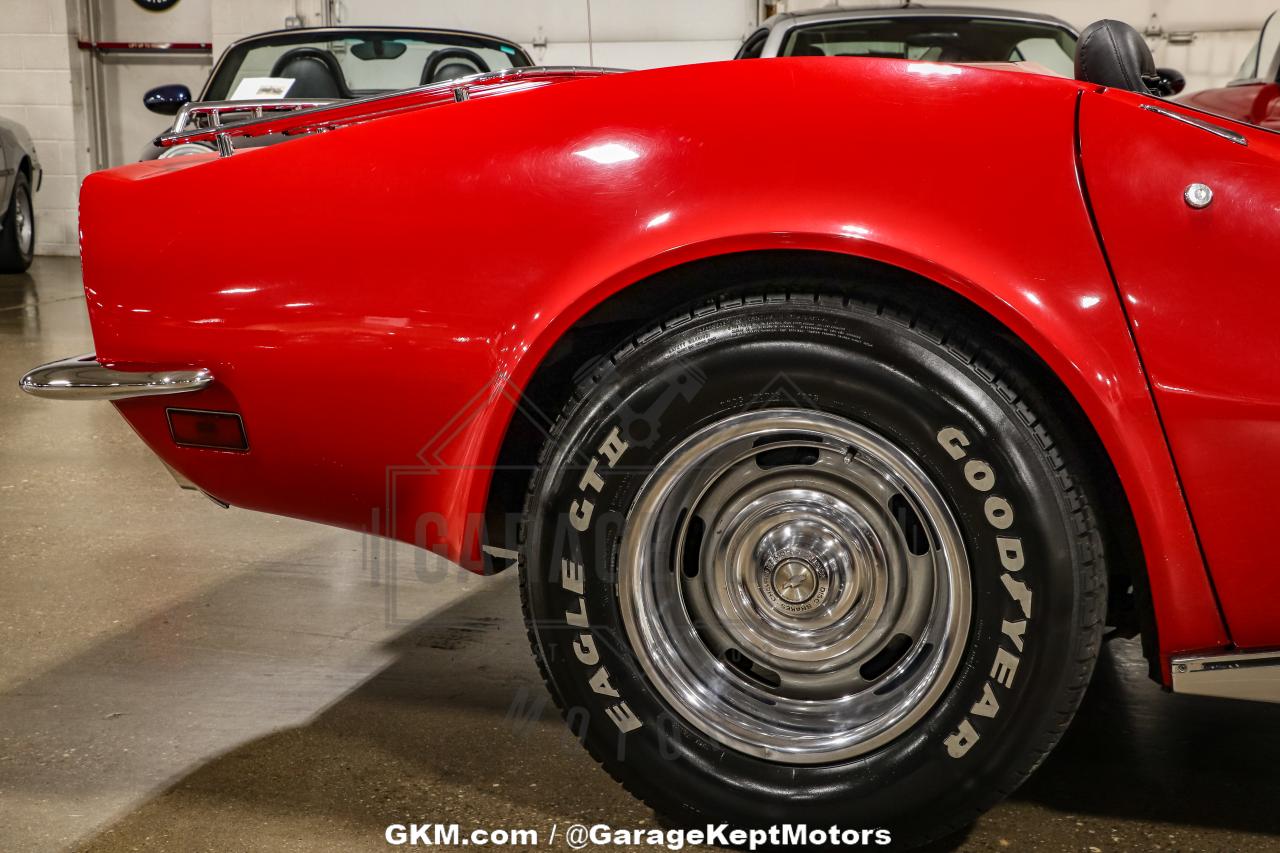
795	582
794	585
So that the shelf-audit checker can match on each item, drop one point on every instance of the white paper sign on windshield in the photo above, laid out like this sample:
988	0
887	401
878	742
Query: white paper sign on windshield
260	88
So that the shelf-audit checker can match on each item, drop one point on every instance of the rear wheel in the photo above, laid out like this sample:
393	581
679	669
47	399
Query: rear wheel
801	559
18	237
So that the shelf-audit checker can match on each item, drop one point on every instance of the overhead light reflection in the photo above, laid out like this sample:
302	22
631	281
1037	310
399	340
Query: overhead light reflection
608	154
934	70
659	220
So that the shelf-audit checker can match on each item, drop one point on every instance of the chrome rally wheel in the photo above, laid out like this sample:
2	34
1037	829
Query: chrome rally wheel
798	558
794	585
24	220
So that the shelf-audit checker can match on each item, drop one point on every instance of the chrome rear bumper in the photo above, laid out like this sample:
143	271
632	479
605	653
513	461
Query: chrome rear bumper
82	378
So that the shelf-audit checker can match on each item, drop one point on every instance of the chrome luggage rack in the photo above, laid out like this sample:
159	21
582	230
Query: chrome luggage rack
204	115
275	116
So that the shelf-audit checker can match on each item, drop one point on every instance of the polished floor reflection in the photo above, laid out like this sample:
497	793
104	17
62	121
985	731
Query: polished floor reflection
180	677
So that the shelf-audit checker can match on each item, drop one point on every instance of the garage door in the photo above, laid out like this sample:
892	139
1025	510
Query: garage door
600	32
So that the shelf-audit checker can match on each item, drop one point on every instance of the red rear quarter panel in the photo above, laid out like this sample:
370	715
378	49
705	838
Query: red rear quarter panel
1201	292
368	298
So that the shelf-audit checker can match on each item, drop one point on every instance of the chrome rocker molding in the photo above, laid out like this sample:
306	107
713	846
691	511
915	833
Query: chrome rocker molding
1253	676
82	378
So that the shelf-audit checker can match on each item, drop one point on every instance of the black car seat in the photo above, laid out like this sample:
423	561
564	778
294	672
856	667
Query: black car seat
1114	54
315	73
450	64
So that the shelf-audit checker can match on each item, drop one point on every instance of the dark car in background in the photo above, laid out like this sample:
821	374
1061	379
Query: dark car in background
19	179
301	68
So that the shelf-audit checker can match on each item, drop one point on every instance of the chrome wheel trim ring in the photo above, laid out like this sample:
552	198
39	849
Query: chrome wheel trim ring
25	223
794	681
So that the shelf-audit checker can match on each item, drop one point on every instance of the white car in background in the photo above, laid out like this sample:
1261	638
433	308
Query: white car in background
937	34
1026	41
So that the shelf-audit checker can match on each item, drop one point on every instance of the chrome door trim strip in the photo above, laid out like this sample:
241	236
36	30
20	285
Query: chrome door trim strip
1216	130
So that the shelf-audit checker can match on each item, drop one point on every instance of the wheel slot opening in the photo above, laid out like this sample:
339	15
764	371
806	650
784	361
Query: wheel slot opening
885	659
903	676
780	456
751	669
913	529
674	555
692	552
787	437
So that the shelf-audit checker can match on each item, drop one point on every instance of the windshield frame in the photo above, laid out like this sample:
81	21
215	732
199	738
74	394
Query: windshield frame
1272	72
311	35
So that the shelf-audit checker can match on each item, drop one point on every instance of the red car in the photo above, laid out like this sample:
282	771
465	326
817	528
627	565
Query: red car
823	477
1254	95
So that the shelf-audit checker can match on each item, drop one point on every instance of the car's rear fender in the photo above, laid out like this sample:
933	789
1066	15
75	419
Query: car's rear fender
1085	345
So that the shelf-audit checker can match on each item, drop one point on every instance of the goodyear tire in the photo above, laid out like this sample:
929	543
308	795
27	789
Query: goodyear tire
807	559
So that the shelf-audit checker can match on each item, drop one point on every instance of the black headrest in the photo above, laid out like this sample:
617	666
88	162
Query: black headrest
1114	54
315	73
434	69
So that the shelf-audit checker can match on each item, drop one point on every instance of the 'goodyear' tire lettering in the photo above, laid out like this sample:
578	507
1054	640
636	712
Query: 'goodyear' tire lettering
999	513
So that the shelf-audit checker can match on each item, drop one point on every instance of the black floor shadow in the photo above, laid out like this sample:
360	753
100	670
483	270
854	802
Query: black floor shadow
1137	752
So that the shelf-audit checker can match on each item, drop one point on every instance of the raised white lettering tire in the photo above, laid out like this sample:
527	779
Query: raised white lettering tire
798	558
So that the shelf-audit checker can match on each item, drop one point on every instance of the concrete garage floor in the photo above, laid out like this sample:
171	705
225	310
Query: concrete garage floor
181	677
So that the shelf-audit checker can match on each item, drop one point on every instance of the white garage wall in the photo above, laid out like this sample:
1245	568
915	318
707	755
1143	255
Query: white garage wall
620	33
235	19
121	79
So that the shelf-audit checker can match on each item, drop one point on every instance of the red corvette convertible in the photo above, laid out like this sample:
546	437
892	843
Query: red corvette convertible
824	477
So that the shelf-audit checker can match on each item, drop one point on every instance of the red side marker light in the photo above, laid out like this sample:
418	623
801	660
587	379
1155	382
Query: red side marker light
198	428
